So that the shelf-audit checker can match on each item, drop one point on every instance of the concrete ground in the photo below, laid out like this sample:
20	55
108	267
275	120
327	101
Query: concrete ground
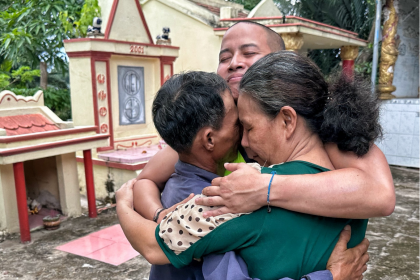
394	248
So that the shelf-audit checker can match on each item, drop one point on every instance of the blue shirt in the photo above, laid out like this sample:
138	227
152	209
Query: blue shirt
188	179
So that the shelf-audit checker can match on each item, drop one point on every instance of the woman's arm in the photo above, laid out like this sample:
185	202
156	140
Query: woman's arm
139	231
146	198
363	188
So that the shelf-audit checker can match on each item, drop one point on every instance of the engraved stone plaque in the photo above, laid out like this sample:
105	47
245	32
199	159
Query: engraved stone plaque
131	95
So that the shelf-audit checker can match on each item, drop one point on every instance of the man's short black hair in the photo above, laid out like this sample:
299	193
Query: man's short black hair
185	104
274	40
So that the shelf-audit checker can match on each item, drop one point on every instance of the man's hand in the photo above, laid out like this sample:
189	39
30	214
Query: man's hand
348	264
240	192
124	195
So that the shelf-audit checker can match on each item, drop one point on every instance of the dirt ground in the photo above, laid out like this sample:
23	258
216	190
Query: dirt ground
394	248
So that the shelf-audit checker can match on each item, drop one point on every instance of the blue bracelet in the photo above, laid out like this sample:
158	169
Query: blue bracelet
268	194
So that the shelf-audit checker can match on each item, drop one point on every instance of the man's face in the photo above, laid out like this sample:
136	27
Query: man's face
227	137
242	46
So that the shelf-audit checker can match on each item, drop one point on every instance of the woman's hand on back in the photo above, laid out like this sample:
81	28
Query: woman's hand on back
239	192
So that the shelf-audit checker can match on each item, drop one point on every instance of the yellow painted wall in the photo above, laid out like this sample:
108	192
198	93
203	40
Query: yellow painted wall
199	47
127	25
68	184
120	176
8	206
81	91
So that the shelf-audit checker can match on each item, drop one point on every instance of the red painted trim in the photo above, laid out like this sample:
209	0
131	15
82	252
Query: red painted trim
44	146
348	68
167	59
110	19
98	54
90	54
117	165
303	25
38	135
20	186
134	144
104	149
141	138
96	106
108	86
94	91
120	42
90	185
323	24
291	17
162	72
144	21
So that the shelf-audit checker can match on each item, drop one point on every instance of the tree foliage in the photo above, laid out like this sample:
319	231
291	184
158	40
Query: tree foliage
31	32
18	77
77	21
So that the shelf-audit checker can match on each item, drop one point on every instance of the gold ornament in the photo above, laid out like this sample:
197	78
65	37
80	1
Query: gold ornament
292	41
349	52
389	52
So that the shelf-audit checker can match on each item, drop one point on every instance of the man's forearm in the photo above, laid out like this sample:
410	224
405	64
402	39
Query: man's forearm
146	198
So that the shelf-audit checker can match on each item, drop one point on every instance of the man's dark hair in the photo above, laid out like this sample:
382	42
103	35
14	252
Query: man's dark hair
274	40
185	104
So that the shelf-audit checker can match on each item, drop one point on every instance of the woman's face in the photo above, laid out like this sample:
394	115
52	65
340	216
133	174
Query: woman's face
262	137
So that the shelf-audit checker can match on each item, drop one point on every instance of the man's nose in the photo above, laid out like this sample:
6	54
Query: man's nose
236	62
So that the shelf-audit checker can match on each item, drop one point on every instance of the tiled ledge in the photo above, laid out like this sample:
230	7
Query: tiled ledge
400	123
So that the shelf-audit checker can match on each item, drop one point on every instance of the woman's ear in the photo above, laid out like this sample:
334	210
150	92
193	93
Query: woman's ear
289	120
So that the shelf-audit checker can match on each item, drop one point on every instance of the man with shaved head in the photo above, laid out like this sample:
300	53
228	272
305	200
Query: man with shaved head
359	188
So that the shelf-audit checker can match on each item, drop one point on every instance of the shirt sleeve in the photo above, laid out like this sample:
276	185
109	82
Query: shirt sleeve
237	233
318	275
228	266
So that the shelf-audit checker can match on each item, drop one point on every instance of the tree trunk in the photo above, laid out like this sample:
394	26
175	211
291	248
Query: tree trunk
44	75
366	53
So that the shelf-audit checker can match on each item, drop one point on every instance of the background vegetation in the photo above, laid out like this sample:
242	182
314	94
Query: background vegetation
354	15
32	53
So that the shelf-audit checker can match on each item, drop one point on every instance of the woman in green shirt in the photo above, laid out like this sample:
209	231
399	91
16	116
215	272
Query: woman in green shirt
288	111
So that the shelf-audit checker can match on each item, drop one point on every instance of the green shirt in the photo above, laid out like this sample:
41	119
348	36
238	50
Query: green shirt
279	244
238	159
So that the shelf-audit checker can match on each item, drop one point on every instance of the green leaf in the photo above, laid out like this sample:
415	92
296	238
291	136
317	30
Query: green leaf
6	43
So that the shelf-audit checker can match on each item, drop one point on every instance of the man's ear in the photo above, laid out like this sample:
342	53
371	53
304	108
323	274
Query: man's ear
288	118
207	138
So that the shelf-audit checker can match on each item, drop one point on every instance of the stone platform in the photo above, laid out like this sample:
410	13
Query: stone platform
132	155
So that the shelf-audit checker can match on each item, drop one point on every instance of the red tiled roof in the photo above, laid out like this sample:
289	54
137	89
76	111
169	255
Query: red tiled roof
216	10
26	124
